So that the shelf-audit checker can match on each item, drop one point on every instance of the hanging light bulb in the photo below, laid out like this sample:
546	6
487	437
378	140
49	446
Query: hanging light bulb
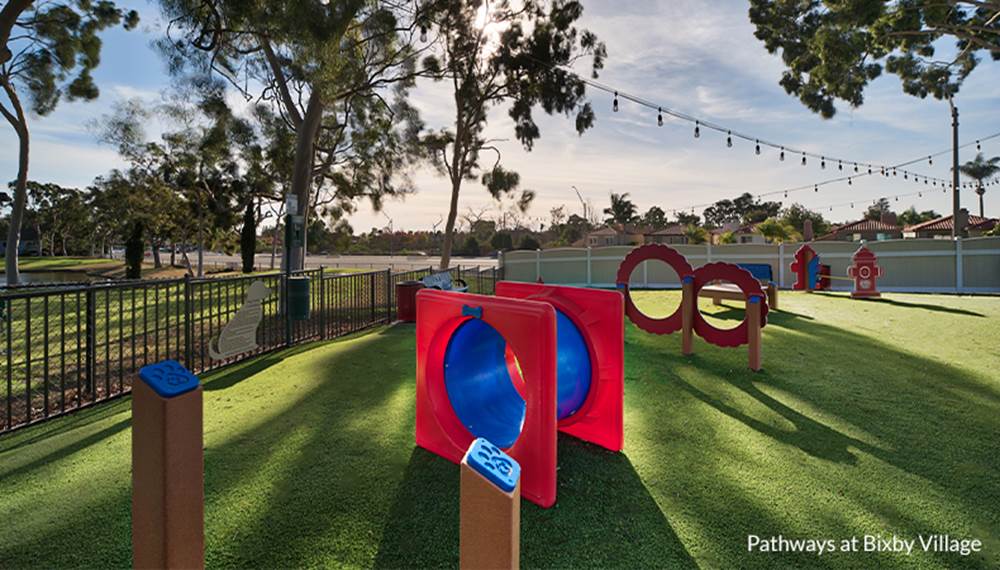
849	183
930	160
905	175
729	139
756	149
816	187
697	129
855	167
659	117
786	193
803	159
614	104
852	205
894	173
781	156
869	169
822	162
925	180
920	194
897	198
840	165
423	32
979	147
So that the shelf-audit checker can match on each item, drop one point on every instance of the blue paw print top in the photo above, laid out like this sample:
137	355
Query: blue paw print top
491	462
168	378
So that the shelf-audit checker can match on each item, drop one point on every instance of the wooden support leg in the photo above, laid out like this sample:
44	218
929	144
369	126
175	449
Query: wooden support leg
772	296
754	331
168	493
716	301
490	509
688	307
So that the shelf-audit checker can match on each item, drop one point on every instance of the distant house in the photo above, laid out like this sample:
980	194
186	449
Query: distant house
29	245
867	230
672	234
616	234
742	233
940	228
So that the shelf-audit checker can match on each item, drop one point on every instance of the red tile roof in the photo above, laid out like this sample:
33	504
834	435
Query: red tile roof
945	224
862	226
671	230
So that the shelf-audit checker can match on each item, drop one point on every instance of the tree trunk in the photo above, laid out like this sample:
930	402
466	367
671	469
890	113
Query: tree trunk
173	254
449	228
20	185
302	174
981	191
201	251
157	264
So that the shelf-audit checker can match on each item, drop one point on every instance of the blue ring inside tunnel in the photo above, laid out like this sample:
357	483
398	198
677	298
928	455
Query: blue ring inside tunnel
481	390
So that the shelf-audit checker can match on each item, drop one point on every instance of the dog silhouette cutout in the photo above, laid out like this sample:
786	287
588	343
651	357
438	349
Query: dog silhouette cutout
240	334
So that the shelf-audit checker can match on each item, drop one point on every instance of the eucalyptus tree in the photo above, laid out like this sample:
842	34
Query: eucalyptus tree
497	53
47	51
336	72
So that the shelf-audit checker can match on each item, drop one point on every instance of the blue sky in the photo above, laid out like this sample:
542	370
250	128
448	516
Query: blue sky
694	56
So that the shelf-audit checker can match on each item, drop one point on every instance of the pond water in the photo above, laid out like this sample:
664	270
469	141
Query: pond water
36	277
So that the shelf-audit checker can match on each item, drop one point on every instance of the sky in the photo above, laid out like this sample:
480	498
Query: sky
697	57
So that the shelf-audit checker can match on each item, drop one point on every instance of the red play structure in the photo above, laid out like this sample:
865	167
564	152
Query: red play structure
687	318
864	271
516	368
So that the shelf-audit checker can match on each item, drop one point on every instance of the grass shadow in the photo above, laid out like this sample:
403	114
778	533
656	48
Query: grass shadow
604	518
906	305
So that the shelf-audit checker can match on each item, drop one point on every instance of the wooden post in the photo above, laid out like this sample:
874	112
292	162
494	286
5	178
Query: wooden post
168	492
490	517
689	304
754	331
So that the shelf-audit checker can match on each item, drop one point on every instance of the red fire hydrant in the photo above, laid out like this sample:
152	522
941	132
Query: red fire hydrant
865	272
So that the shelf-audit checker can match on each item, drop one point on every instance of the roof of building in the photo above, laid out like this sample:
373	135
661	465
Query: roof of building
862	226
945	224
615	229
671	230
736	228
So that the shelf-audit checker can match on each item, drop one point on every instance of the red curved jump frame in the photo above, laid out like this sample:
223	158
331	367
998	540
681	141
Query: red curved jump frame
687	318
529	327
598	316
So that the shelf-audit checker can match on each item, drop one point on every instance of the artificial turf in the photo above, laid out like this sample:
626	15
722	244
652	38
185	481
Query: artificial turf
868	418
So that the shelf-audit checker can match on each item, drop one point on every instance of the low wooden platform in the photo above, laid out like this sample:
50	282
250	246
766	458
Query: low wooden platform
721	291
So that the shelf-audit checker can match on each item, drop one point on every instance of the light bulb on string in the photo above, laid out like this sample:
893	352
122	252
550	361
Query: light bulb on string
840	165
659	117
781	156
849	183
897	198
697	129
852	205
786	193
803	159
423	32
979	147
756	149
905	175
894	173
930	160
869	169
614	104
816	188
920	194
822	162
729	139
855	167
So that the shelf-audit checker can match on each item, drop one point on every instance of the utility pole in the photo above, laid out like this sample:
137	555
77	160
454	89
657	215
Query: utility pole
391	233
958	222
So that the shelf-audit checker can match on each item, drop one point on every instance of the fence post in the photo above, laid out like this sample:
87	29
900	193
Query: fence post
284	306
590	279
388	296
91	350
371	279
959	269
538	264
322	304
781	265
188	341
708	251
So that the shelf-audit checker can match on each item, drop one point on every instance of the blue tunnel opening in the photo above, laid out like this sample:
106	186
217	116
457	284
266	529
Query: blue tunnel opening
479	384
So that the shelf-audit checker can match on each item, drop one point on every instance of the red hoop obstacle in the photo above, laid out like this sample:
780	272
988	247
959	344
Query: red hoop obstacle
658	252
687	317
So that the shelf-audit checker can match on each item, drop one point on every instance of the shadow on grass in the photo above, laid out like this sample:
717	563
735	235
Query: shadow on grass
604	517
906	305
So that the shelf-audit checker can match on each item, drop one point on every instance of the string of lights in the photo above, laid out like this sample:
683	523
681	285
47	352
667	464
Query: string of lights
860	168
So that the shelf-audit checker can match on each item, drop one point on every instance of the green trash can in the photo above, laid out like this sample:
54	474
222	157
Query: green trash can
298	298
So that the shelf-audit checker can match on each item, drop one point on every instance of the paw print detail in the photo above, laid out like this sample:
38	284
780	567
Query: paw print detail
168	378
493	464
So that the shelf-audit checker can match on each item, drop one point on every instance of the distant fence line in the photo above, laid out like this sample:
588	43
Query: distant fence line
912	265
66	348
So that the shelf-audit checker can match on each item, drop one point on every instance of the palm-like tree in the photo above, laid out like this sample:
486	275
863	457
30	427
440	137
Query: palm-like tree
979	170
622	210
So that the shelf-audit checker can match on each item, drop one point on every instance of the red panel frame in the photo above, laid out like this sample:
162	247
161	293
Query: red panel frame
530	331
599	317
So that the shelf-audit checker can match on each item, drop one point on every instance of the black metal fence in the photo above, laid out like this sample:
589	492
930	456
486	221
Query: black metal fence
67	348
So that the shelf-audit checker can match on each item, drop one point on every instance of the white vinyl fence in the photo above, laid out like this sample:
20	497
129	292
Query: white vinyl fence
969	265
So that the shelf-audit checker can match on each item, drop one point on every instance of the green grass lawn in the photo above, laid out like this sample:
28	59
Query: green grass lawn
868	418
63	263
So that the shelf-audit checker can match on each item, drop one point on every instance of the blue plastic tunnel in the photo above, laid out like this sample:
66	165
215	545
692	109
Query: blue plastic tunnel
480	387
